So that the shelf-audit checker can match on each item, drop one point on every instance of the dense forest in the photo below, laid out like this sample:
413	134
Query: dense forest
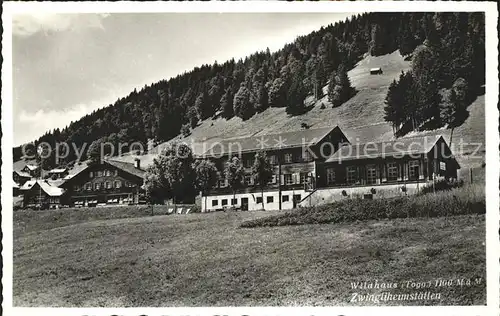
447	73
447	51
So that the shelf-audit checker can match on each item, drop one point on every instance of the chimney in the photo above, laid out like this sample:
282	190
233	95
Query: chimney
137	163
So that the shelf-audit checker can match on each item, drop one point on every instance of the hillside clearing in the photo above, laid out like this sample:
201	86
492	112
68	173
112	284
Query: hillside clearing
204	259
361	118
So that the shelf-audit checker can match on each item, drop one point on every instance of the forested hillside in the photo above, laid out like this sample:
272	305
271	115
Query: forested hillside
447	51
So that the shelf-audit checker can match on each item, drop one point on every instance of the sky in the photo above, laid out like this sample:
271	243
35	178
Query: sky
67	65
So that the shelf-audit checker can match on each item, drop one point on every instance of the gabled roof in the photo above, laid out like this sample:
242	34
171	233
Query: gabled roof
44	185
77	168
32	167
304	137
22	174
58	170
396	148
128	167
55	183
125	166
146	160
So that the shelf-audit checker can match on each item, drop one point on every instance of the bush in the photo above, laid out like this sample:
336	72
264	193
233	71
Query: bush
185	130
195	209
442	184
456	201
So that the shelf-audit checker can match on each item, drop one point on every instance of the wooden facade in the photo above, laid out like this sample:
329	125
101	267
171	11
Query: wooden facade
110	183
422	165
20	177
293	167
39	194
414	161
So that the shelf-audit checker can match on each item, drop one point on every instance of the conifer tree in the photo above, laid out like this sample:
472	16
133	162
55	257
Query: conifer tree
241	104
277	93
262	172
226	103
206	177
234	174
339	88
202	105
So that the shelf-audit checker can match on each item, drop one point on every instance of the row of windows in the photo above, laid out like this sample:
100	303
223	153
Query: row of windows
103	173
285	158
104	185
288	179
392	173
258	200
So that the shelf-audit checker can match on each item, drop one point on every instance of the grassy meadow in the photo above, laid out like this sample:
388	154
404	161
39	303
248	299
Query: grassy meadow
101	257
465	200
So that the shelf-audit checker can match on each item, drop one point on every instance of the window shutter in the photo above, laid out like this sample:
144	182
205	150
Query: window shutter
296	178
421	170
282	179
361	174
384	175
274	178
400	171
252	180
405	170
377	168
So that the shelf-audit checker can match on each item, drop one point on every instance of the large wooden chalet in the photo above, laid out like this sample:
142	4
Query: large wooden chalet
294	156
344	170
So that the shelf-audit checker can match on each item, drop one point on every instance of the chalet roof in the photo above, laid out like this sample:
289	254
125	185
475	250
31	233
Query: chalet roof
20	164
128	167
58	170
77	168
304	137
44	185
31	167
22	174
55	183
395	148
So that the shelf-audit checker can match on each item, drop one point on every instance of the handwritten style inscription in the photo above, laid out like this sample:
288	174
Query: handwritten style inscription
410	290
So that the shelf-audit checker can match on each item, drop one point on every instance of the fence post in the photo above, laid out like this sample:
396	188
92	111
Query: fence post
470	172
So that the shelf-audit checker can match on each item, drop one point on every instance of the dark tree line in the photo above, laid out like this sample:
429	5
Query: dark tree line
243	87
448	70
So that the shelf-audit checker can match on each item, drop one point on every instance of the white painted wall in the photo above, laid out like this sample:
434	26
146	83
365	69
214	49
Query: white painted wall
320	196
252	200
329	195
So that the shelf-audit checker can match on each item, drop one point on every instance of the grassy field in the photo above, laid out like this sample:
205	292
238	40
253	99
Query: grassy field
465	200
206	259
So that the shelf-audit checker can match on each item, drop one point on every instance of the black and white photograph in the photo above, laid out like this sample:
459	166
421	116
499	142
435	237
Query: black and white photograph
230	158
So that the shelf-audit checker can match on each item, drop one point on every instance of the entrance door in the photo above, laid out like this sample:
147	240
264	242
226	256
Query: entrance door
244	204
296	200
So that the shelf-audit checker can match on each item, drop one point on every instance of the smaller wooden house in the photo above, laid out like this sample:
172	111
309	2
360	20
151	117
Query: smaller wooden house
20	177
32	170
40	194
